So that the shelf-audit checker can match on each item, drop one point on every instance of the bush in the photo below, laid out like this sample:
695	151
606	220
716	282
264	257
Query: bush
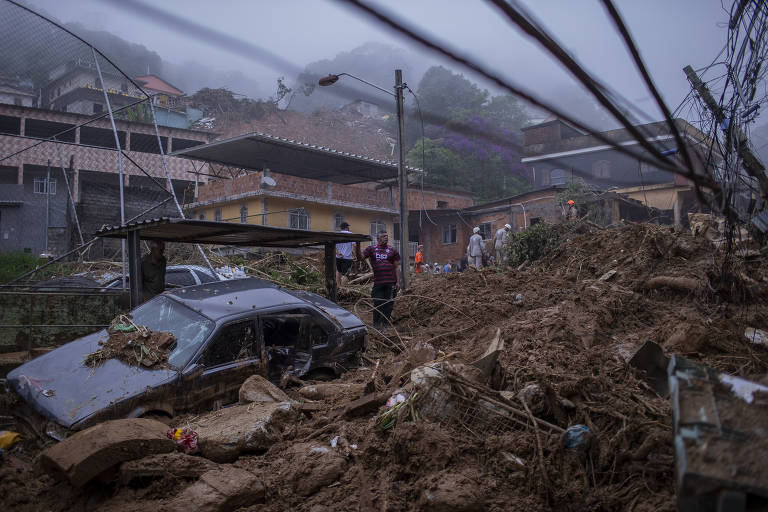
535	242
15	263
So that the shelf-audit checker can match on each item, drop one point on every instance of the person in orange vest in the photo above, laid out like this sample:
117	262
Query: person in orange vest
572	213
418	260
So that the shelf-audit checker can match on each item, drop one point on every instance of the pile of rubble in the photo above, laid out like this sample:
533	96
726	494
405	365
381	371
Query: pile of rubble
496	390
133	344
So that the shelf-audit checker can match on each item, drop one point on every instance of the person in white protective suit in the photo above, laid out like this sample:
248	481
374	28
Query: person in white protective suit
476	249
499	239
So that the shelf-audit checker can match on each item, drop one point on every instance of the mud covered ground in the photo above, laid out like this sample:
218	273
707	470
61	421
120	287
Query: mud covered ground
569	332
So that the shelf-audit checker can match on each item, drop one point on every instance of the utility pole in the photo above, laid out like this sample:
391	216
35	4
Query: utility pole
751	164
402	178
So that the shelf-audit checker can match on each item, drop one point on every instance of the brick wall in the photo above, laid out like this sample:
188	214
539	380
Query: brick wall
101	206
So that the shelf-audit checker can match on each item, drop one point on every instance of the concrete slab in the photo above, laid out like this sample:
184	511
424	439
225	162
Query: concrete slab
85	455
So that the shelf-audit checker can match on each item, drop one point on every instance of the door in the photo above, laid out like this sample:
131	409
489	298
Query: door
296	340
232	356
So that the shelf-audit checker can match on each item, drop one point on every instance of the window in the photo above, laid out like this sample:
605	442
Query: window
396	230
217	214
205	277
189	327
449	234
442	204
534	221
235	341
98	108
297	328
40	187
601	169
337	220
180	278
485	230
201	216
244	214
557	177
376	227
299	219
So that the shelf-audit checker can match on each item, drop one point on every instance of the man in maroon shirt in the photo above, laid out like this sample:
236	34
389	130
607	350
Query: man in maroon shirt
383	260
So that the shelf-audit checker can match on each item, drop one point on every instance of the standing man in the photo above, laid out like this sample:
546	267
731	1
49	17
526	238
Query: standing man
153	270
476	249
499	239
344	257
386	278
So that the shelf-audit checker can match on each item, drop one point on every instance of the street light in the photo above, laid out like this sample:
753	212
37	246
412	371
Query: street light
403	183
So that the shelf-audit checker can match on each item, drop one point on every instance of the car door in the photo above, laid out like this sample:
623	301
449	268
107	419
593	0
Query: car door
232	355
296	340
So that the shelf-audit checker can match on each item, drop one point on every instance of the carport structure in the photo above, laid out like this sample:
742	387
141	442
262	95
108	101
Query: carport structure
225	233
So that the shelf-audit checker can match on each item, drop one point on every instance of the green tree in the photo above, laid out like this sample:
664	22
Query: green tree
443	166
449	94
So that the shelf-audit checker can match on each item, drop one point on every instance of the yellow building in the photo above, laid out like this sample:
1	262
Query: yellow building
294	202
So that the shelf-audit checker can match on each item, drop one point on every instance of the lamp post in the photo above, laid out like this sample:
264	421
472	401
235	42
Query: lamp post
401	174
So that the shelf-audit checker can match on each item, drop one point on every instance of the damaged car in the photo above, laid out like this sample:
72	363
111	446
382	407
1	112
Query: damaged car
225	332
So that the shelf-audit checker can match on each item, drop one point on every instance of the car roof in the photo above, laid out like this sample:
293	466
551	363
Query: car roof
224	298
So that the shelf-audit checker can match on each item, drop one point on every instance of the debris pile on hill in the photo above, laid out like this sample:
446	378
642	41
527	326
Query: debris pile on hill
553	418
133	344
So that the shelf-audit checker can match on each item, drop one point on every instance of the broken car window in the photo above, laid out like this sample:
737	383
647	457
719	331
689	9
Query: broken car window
294	328
167	315
282	329
234	341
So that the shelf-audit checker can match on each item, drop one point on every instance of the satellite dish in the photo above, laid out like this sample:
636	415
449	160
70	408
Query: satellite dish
268	181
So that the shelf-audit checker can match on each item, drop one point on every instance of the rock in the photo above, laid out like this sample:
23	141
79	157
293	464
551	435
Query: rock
533	396
421	353
174	464
222	489
85	455
331	391
313	467
258	389
223	435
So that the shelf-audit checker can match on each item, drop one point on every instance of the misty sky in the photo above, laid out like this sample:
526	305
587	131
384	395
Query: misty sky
669	33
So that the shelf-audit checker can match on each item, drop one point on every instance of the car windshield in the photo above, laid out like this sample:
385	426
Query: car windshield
167	315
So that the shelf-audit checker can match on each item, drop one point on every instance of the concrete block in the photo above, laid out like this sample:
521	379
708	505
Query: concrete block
85	455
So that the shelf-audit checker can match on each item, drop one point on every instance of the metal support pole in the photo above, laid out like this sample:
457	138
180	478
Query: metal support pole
170	183
47	203
402	178
119	158
134	267
330	271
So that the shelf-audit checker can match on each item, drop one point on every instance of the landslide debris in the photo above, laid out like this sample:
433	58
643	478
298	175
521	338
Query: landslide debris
133	344
568	336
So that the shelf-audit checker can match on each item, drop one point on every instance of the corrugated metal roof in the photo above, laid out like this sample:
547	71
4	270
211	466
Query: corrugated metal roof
227	233
258	151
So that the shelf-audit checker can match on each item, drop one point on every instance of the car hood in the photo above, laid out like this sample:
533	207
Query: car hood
60	387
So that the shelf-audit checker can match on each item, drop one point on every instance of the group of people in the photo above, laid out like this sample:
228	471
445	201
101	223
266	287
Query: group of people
477	253
384	260
422	267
